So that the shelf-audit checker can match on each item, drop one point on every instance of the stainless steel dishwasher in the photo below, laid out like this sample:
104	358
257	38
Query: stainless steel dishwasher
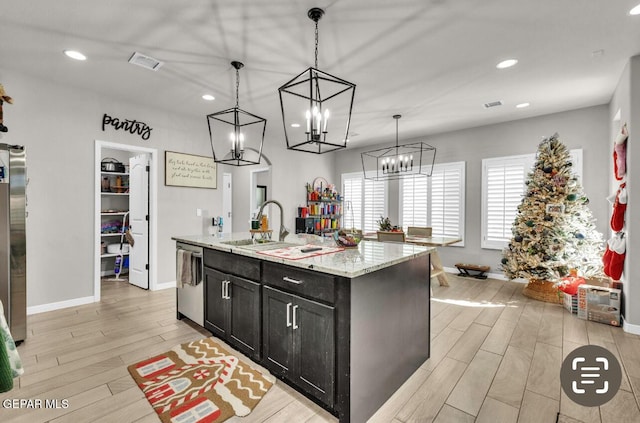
190	298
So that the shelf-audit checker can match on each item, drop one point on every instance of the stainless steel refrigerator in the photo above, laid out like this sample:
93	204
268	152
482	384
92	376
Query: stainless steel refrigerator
13	246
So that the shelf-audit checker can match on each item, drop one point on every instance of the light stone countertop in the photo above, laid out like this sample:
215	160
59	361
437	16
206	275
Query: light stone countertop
352	262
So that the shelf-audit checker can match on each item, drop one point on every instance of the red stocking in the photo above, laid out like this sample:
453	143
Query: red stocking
614	256
620	154
619	208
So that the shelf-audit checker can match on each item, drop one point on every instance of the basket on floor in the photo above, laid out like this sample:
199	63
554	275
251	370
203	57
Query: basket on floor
543	291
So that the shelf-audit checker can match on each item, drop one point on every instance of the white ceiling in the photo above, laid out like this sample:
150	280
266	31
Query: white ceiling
433	61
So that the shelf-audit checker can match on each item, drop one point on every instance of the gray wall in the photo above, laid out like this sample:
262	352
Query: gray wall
626	100
586	128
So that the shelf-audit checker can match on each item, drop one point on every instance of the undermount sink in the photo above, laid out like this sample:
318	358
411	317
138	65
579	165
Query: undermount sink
243	242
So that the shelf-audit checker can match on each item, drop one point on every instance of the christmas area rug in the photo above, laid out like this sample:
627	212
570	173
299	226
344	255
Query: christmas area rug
200	381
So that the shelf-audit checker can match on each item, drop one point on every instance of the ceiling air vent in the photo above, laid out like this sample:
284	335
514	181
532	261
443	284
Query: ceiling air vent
492	104
145	61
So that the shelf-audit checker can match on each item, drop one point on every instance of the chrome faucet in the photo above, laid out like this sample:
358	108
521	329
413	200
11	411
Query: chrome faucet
283	231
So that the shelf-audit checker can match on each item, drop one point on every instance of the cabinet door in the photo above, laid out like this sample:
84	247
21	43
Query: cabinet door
216	307
277	336
244	325
314	348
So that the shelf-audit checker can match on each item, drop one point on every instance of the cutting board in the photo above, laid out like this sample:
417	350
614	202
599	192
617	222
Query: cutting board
294	253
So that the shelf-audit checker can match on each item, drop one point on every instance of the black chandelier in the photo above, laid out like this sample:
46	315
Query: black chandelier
242	143
399	161
316	106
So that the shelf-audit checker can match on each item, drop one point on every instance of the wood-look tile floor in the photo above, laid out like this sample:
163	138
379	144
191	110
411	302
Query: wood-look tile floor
495	357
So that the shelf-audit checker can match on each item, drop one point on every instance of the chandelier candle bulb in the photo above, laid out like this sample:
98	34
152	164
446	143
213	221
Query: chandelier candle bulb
318	116
232	137
326	119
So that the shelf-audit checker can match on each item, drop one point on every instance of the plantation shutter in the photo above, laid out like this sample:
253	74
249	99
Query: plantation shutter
374	204
352	208
503	189
447	200
414	202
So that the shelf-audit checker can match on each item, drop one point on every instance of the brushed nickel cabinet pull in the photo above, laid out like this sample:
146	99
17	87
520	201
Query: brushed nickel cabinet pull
295	325
288	279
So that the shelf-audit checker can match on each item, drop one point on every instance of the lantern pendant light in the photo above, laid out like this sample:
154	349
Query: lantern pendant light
316	106
399	161
236	134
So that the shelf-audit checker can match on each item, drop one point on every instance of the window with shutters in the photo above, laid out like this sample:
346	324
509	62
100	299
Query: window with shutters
503	185
436	202
364	202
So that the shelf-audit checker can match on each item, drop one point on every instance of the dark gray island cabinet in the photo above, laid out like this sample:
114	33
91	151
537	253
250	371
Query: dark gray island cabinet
346	329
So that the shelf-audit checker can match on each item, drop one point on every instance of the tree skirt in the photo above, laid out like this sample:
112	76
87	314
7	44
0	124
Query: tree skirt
201	380
542	291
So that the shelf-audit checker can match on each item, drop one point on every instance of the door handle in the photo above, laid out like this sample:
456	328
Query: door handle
223	285
228	285
225	290
295	325
288	314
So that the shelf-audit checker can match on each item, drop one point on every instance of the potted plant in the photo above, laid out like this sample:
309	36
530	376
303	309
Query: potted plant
384	224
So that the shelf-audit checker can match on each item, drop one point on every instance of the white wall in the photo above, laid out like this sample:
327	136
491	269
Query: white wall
626	100
584	128
58	126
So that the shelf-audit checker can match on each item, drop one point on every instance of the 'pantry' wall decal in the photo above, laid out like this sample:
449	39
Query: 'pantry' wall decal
132	126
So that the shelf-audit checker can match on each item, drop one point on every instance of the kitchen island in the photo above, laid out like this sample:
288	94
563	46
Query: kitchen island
346	328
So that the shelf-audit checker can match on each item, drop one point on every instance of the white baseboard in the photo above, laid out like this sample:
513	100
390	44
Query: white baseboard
59	305
630	328
165	285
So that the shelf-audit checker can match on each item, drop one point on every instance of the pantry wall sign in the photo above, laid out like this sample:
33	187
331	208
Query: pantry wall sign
188	170
131	126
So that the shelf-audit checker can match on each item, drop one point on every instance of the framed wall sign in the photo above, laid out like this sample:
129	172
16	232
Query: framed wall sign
188	170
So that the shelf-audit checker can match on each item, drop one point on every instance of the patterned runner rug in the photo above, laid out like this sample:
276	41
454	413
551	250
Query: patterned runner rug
200	381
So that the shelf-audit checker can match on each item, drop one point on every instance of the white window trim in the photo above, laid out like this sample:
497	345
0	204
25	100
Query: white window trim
529	160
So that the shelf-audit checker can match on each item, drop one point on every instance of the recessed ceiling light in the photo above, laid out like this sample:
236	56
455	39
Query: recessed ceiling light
295	125
635	10
522	105
208	97
506	63
76	55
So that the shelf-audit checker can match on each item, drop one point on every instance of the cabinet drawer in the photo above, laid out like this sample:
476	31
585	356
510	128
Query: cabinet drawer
244	267
313	285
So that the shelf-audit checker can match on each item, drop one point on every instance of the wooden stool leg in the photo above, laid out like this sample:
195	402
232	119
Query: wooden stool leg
438	270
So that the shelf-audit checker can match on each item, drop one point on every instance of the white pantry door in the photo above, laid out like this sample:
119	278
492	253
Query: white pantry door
139	220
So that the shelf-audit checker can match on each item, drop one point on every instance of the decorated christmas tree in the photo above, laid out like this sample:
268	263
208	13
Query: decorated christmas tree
554	231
